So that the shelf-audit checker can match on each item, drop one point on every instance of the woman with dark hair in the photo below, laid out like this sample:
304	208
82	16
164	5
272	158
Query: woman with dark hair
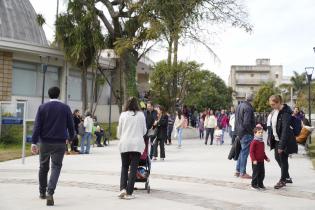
282	139
131	129
179	125
161	125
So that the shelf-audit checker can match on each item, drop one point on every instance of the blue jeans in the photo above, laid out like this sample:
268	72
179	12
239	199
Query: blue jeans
222	137
87	136
179	136
242	158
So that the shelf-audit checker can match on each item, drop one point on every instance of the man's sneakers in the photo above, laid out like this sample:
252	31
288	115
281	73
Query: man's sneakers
129	197
254	187
42	196
237	174
122	193
279	185
288	181
245	176
50	200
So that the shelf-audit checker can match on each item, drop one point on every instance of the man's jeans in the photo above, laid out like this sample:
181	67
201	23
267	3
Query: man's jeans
87	137
55	152
242	159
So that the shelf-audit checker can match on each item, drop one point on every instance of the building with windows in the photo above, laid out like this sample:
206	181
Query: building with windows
248	78
24	51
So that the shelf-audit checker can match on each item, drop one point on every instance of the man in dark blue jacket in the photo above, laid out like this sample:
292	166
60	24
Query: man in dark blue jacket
52	124
244	126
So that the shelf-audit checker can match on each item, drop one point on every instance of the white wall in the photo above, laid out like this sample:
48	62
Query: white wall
102	111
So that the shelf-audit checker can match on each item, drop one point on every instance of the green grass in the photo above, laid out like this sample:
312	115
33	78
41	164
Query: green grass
311	150
11	152
11	139
113	129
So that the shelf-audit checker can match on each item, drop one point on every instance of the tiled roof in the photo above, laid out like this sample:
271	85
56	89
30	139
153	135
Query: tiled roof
18	22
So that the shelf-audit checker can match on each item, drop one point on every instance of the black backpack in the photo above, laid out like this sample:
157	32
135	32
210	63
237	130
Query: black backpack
296	125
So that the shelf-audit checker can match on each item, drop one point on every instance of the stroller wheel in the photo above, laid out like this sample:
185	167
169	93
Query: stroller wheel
147	187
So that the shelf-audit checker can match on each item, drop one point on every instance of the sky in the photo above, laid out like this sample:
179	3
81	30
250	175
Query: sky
283	31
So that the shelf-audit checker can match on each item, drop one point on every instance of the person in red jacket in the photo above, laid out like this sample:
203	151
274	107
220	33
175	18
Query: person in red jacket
258	155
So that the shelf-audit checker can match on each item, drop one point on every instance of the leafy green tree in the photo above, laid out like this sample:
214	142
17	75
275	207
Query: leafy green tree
78	33
195	87
261	100
298	81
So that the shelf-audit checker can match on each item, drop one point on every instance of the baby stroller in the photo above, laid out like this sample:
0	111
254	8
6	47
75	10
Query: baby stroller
144	168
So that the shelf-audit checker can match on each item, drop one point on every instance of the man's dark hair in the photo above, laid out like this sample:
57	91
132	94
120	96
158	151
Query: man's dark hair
54	92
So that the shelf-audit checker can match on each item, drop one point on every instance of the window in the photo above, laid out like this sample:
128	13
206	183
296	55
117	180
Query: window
28	79
251	75
277	76
251	88
24	79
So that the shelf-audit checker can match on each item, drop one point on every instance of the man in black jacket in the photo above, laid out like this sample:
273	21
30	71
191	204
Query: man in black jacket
244	126
52	124
150	117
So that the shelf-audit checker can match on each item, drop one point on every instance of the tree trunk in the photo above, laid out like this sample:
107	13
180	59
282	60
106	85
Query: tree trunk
84	89
170	49
175	62
93	95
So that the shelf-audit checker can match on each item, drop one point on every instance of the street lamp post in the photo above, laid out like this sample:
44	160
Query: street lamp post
44	68
309	73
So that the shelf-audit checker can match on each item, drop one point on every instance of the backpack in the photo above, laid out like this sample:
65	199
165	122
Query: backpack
296	125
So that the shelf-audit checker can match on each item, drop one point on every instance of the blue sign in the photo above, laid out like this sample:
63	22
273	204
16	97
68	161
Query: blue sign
12	121
28	139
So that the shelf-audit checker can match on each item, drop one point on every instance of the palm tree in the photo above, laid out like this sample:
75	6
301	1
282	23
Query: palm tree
79	34
298	81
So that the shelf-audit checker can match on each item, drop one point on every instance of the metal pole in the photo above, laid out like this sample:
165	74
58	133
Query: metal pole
110	108
24	133
44	77
309	103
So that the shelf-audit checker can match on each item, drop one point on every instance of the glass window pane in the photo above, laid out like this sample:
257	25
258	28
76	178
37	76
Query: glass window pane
74	86
24	79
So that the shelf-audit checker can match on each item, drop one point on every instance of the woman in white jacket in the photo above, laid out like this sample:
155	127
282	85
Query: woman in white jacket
210	124
179	125
131	129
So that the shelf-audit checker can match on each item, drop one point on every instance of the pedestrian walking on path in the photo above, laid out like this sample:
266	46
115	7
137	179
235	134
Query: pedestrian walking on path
170	126
201	126
86	139
283	139
131	129
53	122
244	126
258	155
150	117
223	123
210	124
161	136
179	125
232	124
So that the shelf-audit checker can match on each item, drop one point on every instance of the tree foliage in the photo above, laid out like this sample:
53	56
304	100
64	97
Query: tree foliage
261	100
79	34
195	87
298	81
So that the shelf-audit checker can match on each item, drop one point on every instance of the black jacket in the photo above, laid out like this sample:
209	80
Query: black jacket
285	132
150	118
162	128
235	149
244	120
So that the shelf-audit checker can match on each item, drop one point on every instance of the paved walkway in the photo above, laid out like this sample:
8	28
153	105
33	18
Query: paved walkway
194	177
